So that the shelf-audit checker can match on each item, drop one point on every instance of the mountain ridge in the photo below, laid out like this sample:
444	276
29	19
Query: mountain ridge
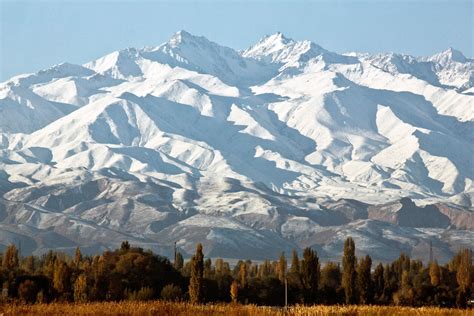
193	141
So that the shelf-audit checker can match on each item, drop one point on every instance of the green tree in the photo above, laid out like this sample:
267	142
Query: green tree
295	263
208	268
310	273
378	282
405	295
349	274
197	269
330	283
364	280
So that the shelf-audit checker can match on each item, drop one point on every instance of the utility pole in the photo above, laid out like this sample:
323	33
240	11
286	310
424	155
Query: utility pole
286	286
175	254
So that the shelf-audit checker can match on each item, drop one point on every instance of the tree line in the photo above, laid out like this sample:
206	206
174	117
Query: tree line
132	273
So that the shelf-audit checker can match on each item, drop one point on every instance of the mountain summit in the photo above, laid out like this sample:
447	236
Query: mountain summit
277	48
283	145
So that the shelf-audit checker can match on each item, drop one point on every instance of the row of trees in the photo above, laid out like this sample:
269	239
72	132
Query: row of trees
135	274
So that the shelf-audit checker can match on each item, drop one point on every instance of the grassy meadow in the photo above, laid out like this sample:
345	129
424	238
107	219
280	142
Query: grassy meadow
174	308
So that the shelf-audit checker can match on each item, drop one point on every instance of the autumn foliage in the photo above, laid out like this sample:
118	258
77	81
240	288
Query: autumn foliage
131	274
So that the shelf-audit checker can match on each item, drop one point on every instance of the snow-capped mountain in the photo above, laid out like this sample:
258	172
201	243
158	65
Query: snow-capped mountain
283	145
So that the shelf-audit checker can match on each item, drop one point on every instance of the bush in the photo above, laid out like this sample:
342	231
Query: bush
27	291
171	292
144	294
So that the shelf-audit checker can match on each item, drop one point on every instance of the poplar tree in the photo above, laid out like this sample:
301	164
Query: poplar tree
10	259
295	263
197	268
243	274
310	273
282	267
434	273
178	265
77	257
61	277
80	289
378	283
464	276
349	274
364	280
234	291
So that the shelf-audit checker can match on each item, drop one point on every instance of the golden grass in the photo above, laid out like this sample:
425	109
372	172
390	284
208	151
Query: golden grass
170	308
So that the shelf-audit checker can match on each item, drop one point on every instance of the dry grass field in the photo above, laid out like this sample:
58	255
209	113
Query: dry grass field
170	308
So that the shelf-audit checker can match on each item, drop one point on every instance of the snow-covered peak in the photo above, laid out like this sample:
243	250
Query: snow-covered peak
188	51
453	68
277	48
275	40
450	55
183	37
268	149
119	64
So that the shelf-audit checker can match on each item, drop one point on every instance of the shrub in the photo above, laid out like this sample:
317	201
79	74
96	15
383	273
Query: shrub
171	292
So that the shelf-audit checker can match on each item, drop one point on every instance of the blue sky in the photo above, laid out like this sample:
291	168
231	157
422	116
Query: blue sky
37	34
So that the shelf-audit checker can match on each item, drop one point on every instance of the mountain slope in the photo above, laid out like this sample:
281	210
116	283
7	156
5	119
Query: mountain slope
276	147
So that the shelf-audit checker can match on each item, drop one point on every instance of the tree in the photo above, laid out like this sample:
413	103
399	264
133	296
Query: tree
10	259
310	273
178	265
294	278
80	289
265	269
364	280
349	274
125	246
234	291
243	275
464	276
330	283
77	257
389	283
378	283
434	273
282	267
295	263
207	268
29	264
197	269
61	277
405	295
27	291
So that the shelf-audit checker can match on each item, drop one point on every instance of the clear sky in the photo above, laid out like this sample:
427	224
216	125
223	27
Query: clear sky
37	34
